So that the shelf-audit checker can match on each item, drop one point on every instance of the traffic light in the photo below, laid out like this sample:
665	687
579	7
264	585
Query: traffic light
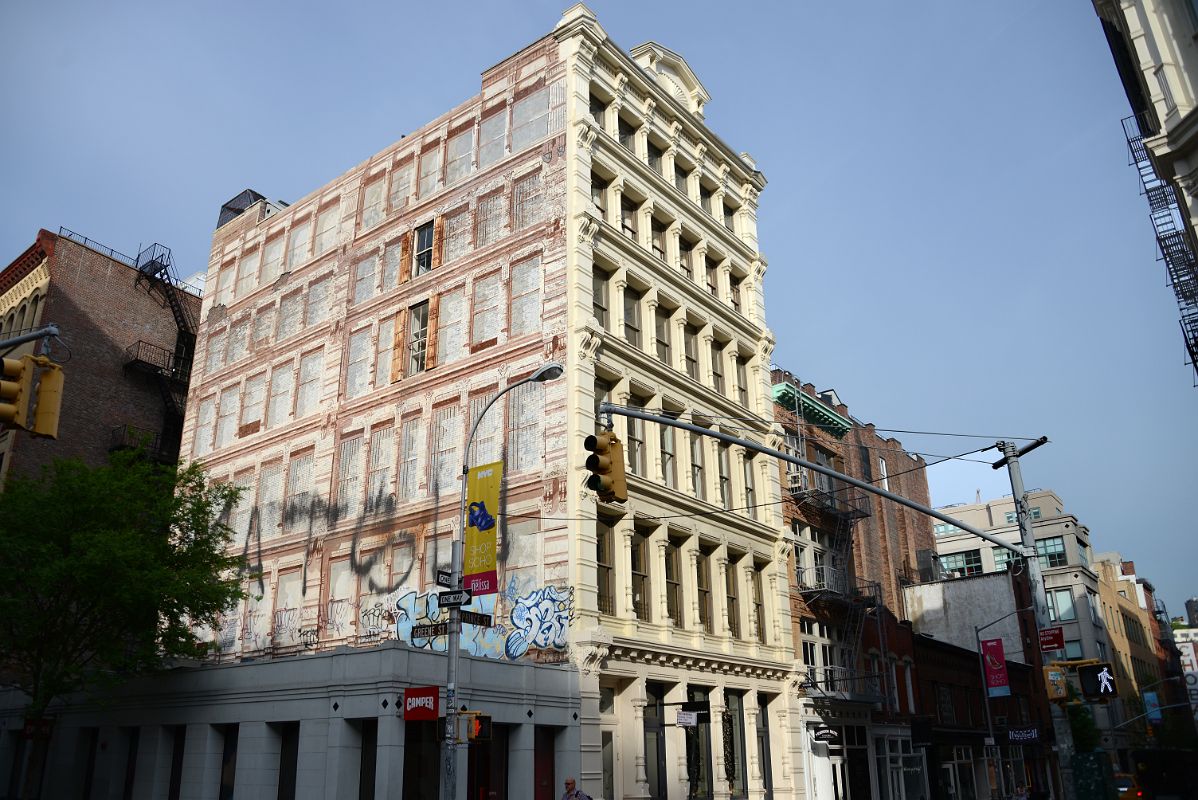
606	463
15	387
479	728
1097	681
17	394
1056	684
48	400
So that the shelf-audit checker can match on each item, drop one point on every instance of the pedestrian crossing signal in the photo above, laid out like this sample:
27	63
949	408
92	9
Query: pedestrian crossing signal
1097	681
479	728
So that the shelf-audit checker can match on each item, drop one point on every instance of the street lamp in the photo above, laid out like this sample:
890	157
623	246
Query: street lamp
977	635
547	372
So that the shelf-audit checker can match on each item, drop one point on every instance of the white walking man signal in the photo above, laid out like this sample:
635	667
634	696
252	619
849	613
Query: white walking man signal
1104	682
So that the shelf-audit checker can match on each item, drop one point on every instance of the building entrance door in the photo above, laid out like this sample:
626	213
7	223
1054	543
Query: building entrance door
544	767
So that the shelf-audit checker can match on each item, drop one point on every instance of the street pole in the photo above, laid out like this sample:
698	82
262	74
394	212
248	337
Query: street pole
1023	513
546	372
977	635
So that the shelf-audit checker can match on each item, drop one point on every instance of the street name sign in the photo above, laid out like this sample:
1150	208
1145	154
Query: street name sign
472	618
430	631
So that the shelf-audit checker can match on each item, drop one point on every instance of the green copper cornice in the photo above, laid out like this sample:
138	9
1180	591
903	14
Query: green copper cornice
810	409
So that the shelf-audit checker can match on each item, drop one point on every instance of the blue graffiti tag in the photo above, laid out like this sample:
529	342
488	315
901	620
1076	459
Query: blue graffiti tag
540	619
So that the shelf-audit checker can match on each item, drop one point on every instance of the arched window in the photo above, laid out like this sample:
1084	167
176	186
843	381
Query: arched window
33	304
23	316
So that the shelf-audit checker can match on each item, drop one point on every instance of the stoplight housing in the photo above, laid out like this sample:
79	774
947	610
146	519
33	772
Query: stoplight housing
48	399
1097	681
15	388
479	728
606	463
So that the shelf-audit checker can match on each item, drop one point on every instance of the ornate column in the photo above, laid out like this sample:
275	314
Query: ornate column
616	194
724	282
644	227
718	763
706	337
618	283
756	785
750	615
624	571
640	776
657	573
690	588
719	591
673	248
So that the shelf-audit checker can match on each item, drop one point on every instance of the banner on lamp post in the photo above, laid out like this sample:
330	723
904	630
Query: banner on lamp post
995	665
482	507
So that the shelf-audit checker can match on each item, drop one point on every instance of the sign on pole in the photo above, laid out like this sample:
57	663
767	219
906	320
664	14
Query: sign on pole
454	599
430	631
1052	639
1189	666
482	506
445	579
421	703
995	662
472	618
687	719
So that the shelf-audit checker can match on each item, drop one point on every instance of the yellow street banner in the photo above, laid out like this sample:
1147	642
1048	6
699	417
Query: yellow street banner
482	510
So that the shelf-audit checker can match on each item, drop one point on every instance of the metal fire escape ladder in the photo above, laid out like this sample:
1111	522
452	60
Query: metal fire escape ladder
1173	235
155	272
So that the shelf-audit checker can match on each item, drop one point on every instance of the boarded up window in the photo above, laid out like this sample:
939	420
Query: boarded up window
430	170
216	351
270	498
342	591
300	485
538	115
205	424
527	201
526	407
239	333
364	279
460	153
239	519
412	459
247	273
264	324
224	286
382	457
349	477
297	248
485	448
488	224
318	301
272	261
447	434
327	224
484	325
357	373
279	407
457	234
288	601
291	311
491	138
401	186
526	296
226	419
255	402
372	204
391	260
308	393
382	353
451	327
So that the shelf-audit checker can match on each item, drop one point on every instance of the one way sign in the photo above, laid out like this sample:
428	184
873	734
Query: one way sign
454	599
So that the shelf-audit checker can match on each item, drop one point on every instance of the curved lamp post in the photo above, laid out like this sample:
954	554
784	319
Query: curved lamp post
547	372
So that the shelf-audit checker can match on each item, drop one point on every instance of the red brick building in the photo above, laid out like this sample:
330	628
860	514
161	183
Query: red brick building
126	340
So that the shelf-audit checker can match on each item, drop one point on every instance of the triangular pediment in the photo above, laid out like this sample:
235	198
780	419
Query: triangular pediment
673	74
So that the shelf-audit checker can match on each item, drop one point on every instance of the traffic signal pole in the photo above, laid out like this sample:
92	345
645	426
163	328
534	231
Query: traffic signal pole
1023	513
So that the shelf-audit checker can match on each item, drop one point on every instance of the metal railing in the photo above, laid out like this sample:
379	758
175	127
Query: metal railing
159	358
847	682
826	493
90	244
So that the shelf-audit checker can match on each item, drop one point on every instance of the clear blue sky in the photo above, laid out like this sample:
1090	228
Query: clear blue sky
956	242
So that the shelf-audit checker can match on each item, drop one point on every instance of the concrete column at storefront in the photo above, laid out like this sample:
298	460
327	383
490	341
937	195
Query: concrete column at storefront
154	747
388	766
567	752
61	776
342	759
310	762
521	775
640	778
677	784
201	763
752	750
718	768
257	762
108	768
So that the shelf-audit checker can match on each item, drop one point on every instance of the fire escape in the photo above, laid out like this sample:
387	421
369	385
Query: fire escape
1173	234
170	369
832	593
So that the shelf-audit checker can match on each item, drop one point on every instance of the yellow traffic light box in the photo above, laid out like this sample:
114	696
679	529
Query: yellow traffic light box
606	463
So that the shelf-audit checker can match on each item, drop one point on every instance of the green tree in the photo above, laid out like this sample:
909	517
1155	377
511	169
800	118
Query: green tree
106	571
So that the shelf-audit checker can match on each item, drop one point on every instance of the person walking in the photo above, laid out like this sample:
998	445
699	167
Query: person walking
573	793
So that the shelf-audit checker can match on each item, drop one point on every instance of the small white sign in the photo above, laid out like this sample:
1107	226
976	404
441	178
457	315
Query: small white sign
687	719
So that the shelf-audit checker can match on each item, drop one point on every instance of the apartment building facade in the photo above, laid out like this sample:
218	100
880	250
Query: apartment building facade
1066	563
1152	43
576	210
127	333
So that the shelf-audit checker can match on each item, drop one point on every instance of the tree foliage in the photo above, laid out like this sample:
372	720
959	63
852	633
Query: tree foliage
106	570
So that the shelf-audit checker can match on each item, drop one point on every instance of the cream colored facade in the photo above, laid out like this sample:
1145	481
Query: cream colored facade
579	210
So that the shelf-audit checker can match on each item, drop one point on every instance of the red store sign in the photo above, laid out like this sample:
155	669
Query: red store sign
422	703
